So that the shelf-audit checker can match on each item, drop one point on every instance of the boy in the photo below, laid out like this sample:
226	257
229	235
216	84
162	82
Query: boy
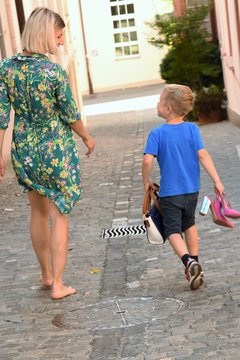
178	147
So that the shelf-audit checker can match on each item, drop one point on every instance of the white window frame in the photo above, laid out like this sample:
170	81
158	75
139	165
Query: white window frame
127	29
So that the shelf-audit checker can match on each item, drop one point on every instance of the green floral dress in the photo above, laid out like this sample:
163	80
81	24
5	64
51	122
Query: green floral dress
44	153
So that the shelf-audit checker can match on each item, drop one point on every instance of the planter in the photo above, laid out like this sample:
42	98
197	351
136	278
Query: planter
210	105
212	117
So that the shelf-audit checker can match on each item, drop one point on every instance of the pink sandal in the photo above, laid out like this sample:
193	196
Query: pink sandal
227	209
217	216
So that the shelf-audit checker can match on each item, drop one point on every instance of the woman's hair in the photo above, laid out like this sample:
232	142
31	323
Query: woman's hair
179	97
39	31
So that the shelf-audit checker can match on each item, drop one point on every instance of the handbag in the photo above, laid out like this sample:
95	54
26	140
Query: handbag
152	216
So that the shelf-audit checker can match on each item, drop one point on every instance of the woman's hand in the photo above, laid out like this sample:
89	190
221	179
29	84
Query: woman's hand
2	167
79	129
90	143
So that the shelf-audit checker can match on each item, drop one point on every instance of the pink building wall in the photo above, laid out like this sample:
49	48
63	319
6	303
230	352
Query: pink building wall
228	25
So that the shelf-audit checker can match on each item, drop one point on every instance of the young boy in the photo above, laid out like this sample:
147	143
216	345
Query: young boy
178	147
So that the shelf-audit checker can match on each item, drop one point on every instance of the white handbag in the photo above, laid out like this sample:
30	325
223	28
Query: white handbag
152	217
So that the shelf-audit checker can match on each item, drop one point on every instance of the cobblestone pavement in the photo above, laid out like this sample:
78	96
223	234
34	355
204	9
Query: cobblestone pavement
133	301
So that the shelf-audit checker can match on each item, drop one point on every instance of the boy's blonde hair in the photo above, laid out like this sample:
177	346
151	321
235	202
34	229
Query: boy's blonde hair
179	97
39	31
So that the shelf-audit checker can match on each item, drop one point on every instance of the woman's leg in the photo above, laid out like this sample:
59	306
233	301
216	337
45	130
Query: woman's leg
40	234
59	248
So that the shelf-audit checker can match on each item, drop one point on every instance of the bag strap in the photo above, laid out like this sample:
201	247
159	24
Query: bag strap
146	202
151	196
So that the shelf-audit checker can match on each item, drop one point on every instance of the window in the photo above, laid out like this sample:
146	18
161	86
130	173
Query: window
123	23
124	28
122	9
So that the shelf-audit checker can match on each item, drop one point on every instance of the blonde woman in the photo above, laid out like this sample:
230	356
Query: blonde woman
44	154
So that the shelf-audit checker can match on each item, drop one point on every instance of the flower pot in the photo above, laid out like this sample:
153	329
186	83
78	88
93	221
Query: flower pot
212	117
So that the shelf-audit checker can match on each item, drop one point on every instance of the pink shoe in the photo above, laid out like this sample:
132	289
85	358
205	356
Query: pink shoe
227	209
217	216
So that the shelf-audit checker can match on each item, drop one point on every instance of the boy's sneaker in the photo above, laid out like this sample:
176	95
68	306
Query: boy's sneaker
194	274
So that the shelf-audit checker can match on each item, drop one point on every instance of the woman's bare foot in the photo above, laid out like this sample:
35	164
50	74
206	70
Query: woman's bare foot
62	292
46	282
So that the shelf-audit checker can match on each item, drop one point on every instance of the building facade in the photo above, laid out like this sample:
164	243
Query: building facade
224	25
116	43
228	25
106	42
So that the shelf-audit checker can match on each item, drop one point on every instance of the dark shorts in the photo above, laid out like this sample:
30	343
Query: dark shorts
178	212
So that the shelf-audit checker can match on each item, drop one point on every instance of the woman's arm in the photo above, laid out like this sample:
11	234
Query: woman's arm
80	130
69	111
2	161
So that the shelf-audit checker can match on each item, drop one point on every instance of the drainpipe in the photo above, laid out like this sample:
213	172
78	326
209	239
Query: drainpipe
179	7
3	52
90	86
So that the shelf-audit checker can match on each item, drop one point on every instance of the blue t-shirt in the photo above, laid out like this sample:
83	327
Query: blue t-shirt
176	148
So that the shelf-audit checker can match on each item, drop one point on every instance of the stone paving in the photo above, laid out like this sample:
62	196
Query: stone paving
133	301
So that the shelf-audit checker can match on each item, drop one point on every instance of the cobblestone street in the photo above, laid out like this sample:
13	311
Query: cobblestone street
133	300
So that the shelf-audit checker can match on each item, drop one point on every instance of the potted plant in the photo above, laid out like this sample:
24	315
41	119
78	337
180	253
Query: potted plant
209	104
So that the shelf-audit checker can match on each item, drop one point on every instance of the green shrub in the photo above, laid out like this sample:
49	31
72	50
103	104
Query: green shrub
192	59
195	68
209	100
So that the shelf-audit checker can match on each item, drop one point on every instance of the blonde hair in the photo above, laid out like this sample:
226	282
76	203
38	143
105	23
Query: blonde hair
179	97
39	31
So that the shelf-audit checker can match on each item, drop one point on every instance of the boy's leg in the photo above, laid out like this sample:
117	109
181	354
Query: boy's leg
178	244
172	208
177	214
193	269
191	236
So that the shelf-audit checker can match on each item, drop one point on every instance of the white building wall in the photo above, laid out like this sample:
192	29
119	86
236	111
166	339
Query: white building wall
228	21
107	71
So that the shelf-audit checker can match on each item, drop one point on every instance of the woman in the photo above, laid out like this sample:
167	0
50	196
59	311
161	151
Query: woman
44	153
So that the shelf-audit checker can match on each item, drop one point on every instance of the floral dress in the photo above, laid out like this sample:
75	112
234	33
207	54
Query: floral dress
44	153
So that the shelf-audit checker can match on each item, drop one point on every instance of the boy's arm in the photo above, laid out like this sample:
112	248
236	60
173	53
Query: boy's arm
147	164
207	162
